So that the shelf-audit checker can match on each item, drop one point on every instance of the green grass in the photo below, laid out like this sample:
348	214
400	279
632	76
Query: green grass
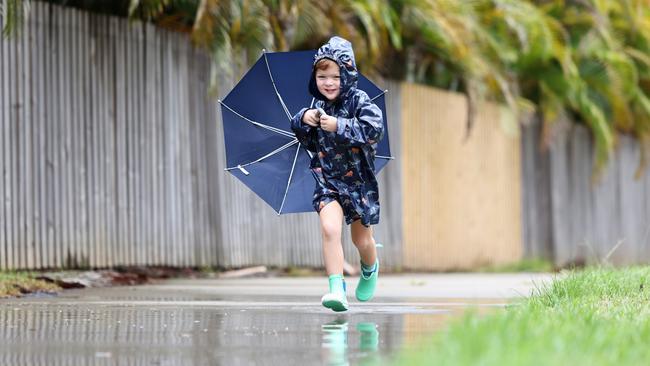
20	283
597	316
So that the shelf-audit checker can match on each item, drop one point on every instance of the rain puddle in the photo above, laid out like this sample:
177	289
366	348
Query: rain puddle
140	330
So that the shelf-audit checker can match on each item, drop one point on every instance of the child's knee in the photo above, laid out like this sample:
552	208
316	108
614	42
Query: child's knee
363	241
331	230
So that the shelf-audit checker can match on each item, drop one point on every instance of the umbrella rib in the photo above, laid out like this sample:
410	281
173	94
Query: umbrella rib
382	93
279	149
293	167
270	128
286	110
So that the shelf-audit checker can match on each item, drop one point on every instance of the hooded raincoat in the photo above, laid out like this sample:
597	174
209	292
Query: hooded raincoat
344	161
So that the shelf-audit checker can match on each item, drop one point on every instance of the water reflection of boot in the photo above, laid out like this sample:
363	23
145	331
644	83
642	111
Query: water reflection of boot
368	342
335	342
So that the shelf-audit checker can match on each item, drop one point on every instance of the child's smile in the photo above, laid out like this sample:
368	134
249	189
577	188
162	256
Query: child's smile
328	80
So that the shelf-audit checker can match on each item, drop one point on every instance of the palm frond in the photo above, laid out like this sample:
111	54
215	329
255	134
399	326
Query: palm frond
13	14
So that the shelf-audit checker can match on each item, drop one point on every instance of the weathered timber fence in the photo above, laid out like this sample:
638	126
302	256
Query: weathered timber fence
572	218
111	154
104	145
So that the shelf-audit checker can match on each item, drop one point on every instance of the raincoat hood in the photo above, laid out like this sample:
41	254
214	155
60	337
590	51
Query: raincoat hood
340	51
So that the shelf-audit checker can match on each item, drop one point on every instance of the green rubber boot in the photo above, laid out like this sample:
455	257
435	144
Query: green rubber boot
367	284
336	298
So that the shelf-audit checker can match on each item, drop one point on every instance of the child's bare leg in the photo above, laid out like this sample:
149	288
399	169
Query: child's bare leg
365	243
331	220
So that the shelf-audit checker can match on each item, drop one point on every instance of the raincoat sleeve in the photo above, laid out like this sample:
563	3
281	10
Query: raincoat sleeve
365	128
306	135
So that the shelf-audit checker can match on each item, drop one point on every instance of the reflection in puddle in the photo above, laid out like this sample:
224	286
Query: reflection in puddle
368	343
335	343
89	334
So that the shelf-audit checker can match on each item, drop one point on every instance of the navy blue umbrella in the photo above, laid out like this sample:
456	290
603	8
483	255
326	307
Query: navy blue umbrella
261	149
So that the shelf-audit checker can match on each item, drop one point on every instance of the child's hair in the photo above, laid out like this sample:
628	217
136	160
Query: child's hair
322	64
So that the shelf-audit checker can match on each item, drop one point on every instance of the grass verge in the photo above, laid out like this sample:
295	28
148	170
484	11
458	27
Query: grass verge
596	316
20	283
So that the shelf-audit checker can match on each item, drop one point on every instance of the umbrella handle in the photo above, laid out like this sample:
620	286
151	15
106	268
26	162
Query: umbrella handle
320	112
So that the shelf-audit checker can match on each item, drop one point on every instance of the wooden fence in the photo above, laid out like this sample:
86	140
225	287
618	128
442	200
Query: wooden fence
111	154
104	146
572	218
462	197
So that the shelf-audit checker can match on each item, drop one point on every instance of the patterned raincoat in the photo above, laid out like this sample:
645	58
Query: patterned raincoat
344	161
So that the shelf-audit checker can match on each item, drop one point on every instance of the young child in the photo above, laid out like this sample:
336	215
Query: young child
342	129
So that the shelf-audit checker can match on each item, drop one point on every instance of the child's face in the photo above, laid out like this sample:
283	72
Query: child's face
328	80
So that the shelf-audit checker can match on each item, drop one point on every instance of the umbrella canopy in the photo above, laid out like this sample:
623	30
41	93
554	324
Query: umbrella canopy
261	149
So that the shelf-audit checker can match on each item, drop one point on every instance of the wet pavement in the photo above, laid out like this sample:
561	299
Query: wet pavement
272	321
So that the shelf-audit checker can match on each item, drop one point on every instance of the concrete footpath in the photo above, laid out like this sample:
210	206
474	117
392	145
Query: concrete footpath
438	286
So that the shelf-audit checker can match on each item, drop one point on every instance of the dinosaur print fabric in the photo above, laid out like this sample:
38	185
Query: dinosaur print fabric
343	162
